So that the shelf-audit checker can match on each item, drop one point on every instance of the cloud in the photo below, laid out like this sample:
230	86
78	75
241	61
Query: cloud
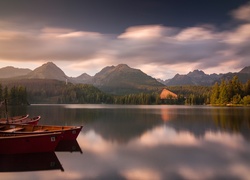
242	13
157	50
44	44
146	32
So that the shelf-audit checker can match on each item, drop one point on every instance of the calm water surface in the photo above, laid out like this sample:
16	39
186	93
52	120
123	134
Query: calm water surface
143	142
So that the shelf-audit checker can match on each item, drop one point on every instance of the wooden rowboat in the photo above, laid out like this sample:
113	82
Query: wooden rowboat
69	132
14	118
25	119
33	143
28	120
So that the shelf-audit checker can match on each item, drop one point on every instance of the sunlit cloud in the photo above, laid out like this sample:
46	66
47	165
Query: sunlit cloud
239	35
78	34
195	33
89	66
242	13
157	50
146	32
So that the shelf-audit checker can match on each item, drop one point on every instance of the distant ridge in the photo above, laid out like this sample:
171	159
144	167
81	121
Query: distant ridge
10	72
199	78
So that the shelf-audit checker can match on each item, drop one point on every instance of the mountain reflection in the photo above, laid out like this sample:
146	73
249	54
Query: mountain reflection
198	121
164	153
122	125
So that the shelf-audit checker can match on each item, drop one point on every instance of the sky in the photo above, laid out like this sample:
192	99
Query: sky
160	37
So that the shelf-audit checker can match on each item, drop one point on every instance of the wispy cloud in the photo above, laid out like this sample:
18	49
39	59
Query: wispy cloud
168	50
242	13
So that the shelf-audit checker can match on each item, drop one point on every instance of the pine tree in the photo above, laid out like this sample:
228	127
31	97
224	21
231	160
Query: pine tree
1	92
215	94
223	97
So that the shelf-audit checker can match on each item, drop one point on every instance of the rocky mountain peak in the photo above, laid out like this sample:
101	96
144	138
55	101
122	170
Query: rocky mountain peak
83	78
48	71
196	73
245	70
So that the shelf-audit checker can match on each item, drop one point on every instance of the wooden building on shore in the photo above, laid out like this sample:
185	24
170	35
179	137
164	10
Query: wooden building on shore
166	94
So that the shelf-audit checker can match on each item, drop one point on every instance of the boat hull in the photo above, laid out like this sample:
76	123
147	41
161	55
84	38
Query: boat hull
68	132
17	144
30	121
21	120
14	119
71	134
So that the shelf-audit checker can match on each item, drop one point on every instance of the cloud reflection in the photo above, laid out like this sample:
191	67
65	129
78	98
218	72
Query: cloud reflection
164	135
164	153
140	173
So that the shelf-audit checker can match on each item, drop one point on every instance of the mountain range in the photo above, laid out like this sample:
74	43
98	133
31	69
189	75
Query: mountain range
198	77
120	79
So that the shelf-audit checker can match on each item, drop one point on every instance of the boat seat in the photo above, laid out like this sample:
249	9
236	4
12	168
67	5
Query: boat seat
13	129
41	130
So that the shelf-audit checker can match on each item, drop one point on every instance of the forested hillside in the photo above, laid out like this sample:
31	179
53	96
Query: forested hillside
16	95
54	91
227	92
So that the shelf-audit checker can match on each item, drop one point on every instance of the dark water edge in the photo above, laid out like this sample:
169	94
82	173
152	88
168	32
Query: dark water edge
148	142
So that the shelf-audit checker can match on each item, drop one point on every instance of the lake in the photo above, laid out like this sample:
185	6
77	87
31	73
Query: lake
142	142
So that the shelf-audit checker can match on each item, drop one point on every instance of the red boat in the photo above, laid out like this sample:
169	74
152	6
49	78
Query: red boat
17	144
31	121
69	132
14	118
25	119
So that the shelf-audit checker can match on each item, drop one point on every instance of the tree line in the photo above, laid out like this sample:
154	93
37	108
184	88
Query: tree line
16	95
230	92
223	93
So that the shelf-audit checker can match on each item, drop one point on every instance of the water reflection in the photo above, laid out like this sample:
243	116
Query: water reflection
231	119
68	146
29	162
168	114
163	153
151	142
37	161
